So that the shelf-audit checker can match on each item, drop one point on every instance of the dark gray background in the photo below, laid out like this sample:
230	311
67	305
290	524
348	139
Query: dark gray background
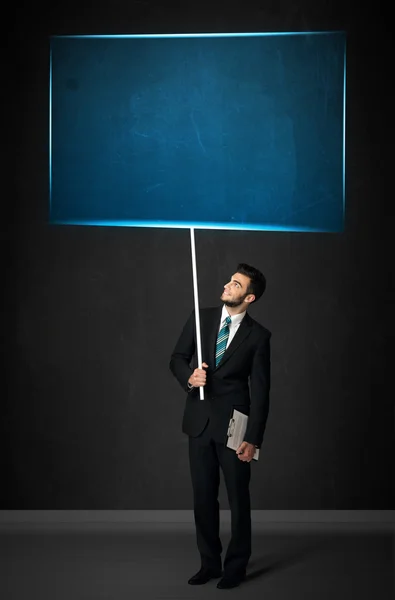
92	415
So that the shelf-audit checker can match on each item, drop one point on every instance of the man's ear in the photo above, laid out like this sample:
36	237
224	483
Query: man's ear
249	298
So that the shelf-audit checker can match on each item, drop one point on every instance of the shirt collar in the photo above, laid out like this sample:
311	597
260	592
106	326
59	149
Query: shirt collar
236	319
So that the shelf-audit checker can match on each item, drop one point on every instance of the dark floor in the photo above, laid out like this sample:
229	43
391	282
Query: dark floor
156	564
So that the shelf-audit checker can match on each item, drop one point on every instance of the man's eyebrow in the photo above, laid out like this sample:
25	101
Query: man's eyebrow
235	280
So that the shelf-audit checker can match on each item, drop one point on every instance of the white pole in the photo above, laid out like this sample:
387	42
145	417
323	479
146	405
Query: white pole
196	297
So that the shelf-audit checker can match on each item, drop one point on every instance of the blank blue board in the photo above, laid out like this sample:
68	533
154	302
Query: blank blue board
223	131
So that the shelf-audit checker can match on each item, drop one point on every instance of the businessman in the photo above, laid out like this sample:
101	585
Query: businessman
235	374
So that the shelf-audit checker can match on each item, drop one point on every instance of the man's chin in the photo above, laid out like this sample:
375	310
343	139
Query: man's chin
230	303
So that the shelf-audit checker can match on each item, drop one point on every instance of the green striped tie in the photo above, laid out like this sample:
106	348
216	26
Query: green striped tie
222	340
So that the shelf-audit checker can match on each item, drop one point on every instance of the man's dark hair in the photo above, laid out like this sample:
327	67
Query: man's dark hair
257	279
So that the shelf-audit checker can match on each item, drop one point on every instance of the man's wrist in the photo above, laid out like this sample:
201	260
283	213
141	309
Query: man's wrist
255	446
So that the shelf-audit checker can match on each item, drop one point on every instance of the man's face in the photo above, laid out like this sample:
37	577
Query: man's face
235	291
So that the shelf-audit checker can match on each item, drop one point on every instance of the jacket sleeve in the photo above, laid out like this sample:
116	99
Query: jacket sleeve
183	353
259	393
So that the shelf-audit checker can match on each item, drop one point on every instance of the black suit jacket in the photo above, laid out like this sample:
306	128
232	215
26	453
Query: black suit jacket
241	380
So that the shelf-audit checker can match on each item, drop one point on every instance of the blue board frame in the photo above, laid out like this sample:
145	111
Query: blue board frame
212	131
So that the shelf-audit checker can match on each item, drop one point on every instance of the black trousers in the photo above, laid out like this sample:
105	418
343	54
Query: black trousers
206	457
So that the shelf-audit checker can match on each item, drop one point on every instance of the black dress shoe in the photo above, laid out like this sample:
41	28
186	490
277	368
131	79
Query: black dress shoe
204	575
230	581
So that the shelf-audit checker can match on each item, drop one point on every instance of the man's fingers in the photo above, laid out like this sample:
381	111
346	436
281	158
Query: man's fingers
241	448
243	452
199	376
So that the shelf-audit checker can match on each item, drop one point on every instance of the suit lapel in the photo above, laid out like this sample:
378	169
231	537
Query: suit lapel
211	338
241	334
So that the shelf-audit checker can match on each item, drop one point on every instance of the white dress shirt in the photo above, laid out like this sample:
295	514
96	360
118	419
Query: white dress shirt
234	325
